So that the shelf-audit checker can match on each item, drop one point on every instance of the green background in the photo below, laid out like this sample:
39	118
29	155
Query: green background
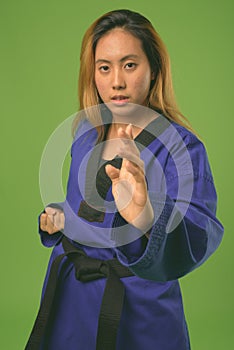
39	66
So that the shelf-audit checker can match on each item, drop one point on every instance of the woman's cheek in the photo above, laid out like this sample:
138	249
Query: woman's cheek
142	85
101	88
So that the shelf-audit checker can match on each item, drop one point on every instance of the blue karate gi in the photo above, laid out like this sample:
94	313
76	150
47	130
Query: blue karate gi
184	234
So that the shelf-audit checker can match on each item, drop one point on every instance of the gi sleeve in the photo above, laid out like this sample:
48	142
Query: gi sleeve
186	231
81	138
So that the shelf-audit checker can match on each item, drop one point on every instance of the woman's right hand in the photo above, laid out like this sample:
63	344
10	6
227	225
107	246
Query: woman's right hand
52	220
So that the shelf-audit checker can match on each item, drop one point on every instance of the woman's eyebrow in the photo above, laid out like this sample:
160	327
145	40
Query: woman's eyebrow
127	57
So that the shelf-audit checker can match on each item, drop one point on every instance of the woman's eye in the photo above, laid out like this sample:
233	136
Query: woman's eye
130	65
104	68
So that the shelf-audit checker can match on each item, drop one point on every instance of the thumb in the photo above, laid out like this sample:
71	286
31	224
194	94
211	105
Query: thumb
112	172
59	220
50	211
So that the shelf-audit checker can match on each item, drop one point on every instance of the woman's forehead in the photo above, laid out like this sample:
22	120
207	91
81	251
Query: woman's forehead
118	42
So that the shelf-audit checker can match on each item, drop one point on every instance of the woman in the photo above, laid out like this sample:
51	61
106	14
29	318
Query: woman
140	206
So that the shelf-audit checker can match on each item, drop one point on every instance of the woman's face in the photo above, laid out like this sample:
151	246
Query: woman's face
122	70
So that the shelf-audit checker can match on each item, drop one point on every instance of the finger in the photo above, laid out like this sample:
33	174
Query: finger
46	224
130	156
127	139
112	172
50	227
126	135
50	219
59	219
43	222
129	131
128	148
54	217
135	171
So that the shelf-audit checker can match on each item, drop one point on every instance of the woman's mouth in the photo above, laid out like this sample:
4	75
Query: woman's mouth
119	99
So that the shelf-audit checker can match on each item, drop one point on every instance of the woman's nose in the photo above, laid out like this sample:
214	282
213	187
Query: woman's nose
118	80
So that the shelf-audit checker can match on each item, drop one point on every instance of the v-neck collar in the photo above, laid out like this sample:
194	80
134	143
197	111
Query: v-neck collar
155	128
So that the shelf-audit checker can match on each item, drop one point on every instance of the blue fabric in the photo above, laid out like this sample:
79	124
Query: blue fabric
185	233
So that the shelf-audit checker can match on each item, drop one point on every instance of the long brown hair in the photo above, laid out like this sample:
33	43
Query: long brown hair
161	94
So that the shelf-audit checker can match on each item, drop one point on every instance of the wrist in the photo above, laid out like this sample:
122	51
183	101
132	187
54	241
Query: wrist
144	221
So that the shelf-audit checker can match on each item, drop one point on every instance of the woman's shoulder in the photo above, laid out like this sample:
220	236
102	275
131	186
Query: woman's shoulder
82	128
172	134
189	138
196	150
179	145
85	135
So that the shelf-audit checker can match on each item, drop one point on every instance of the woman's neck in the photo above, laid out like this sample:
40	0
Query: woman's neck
139	122
113	130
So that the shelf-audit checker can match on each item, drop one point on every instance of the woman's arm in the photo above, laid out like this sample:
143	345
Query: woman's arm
179	240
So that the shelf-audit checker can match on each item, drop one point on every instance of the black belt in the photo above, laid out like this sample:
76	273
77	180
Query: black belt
86	269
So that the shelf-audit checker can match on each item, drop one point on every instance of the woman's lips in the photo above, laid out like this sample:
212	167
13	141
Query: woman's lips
120	99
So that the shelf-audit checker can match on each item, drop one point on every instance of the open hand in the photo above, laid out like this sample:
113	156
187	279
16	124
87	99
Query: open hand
129	187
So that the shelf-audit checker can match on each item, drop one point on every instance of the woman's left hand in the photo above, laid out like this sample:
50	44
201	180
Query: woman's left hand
129	186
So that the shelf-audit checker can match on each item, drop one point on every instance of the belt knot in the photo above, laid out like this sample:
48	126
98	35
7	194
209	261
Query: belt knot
89	269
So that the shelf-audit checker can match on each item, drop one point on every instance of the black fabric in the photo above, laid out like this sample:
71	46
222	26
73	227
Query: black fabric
103	182
90	213
86	269
102	185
